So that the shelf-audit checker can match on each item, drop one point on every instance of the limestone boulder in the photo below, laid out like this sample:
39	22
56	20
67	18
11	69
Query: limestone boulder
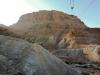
18	57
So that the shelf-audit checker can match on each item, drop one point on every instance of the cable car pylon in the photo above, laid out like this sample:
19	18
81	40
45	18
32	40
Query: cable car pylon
72	5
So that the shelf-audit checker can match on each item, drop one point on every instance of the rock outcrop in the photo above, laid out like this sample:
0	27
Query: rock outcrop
57	30
53	20
93	53
20	57
81	39
47	27
4	30
53	30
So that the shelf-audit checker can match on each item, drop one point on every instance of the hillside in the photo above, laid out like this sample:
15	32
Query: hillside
65	36
57	30
54	19
51	27
47	27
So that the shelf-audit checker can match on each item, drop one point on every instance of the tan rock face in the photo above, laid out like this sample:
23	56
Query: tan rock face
54	30
81	39
41	26
51	19
93	53
51	27
19	56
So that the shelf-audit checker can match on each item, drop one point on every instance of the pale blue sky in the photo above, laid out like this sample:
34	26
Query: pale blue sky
87	10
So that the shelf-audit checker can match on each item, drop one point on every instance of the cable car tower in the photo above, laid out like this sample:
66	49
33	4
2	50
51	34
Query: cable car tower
72	5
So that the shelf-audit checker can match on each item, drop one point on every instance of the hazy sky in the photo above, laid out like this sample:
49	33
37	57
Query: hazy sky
87	10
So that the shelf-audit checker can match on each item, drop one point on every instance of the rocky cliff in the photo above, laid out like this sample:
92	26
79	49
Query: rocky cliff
55	20
47	27
56	30
81	39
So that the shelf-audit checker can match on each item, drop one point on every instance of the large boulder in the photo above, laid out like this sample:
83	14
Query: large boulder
23	58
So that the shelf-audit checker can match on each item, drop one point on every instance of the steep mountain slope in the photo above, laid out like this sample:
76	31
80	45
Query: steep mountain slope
53	19
54	29
47	27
